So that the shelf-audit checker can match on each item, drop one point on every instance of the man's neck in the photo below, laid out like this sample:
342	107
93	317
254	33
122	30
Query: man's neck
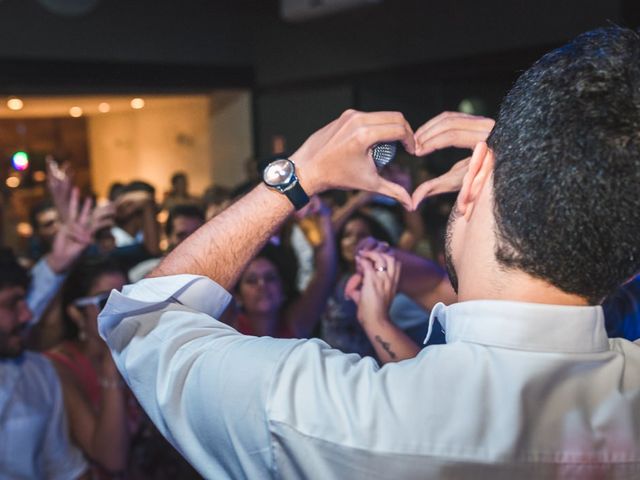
515	286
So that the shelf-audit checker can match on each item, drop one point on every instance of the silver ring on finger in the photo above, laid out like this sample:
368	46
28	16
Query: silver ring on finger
381	268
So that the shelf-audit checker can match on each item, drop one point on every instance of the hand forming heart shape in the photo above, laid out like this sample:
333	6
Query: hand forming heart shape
449	129
339	154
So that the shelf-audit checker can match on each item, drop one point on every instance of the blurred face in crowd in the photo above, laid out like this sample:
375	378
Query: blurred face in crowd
128	207
183	226
260	288
47	224
354	231
105	240
14	316
86	317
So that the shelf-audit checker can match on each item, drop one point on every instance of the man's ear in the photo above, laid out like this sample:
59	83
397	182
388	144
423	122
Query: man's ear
480	170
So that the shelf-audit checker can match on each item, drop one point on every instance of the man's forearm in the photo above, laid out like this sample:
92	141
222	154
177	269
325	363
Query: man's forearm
390	343
336	156
222	247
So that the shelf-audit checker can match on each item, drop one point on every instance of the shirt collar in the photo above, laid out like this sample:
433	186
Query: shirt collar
524	326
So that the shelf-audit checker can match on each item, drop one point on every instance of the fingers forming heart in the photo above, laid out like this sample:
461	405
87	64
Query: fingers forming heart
445	183
449	129
335	156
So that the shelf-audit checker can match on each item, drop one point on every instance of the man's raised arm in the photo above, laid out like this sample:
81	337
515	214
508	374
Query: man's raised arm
337	156
200	381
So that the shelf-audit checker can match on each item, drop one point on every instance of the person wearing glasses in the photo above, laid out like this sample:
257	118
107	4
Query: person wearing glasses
105	420
94	394
528	386
33	422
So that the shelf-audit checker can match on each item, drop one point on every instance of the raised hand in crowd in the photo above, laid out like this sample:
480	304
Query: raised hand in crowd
103	216
74	235
60	185
303	314
449	129
373	288
421	279
142	204
355	201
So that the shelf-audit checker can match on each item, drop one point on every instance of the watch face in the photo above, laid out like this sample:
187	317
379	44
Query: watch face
278	173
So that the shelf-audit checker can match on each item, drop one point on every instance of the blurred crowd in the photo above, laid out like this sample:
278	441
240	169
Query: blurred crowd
298	286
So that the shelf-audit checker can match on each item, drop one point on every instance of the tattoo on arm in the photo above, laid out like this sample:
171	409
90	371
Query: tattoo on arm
386	346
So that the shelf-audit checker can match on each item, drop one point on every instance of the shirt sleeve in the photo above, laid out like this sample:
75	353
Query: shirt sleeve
45	284
60	458
203	384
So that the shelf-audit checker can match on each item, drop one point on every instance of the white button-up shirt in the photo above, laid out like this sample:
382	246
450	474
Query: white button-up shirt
520	391
34	441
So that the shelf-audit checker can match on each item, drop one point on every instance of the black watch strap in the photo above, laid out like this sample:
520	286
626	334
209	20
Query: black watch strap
297	195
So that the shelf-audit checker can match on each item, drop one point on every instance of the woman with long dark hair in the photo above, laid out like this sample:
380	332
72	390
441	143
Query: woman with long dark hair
95	395
340	326
266	293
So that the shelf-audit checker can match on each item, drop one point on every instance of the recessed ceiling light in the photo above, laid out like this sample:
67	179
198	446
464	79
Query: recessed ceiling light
24	229
137	103
104	107
13	182
75	112
15	104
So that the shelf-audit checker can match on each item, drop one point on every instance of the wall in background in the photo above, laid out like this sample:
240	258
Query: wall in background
293	114
206	136
152	144
64	138
230	136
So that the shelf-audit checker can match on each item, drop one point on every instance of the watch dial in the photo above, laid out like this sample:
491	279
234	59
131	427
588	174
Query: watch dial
278	173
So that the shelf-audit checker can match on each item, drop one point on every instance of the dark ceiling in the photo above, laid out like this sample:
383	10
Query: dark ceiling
194	45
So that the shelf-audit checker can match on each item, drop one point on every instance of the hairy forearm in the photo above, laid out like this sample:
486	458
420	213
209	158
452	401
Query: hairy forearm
221	248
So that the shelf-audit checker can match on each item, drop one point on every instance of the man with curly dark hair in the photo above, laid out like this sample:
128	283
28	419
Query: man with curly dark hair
528	386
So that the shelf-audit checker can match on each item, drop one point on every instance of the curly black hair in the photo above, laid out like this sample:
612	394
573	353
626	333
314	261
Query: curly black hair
567	166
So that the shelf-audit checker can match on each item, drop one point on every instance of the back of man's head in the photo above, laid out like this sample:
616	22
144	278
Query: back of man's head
139	186
45	223
183	220
567	166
